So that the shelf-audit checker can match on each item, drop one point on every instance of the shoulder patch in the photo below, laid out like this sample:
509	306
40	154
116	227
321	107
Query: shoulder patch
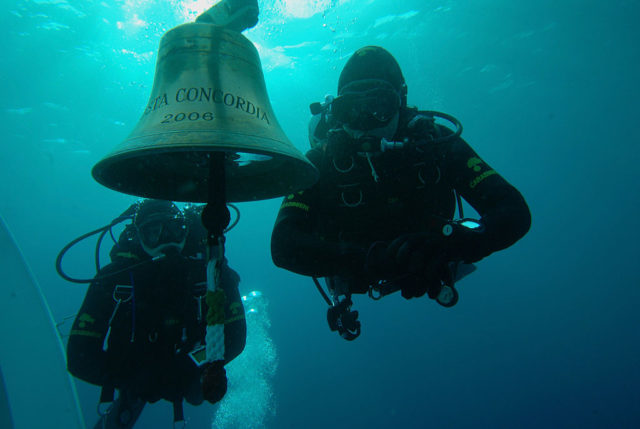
475	164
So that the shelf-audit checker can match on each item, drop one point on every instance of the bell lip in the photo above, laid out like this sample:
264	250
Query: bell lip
306	176
187	146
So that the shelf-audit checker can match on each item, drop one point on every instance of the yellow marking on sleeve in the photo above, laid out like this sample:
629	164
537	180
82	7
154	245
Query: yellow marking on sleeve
233	319
83	333
481	177
292	196
475	164
128	255
235	308
86	317
294	205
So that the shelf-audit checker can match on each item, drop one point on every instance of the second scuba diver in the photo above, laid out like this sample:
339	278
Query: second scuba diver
141	327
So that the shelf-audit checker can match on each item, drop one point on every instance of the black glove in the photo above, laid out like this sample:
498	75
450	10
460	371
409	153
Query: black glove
409	252
419	264
214	381
454	242
428	281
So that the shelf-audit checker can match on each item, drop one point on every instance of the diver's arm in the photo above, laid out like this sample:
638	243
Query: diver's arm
235	324
295	247
86	358
504	212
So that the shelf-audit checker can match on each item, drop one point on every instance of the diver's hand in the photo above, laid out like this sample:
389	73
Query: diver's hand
406	255
214	381
419	263
429	281
409	253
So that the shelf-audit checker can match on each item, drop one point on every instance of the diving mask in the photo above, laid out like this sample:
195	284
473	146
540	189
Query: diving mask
366	104
162	232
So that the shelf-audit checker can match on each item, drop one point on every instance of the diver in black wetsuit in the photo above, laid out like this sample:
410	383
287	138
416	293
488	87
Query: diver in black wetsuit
382	212
142	324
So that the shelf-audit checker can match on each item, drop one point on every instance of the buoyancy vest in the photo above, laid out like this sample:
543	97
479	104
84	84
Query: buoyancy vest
368	192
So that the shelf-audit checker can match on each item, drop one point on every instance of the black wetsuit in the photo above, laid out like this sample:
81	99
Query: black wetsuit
153	332
326	230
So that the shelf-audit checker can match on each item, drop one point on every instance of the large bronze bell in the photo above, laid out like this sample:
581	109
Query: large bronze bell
208	96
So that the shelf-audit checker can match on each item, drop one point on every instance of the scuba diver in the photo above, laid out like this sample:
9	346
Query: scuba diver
141	327
381	216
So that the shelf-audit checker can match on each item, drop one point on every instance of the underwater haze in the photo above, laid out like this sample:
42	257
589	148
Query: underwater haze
546	333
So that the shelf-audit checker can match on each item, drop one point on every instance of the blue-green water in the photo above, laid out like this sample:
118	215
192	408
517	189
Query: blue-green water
546	333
